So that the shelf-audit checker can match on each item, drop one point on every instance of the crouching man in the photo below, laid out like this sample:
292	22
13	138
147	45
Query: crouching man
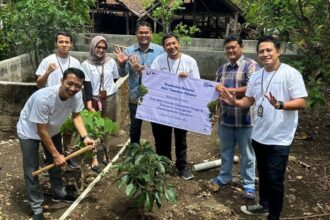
40	120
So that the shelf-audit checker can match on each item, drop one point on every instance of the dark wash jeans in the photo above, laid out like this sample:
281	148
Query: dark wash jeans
271	165
135	127
163	142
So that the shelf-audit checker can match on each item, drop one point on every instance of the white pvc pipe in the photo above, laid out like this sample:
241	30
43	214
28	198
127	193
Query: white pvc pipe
210	164
92	184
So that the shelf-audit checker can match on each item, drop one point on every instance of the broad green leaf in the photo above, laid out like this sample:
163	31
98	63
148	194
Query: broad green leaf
130	189
170	195
149	202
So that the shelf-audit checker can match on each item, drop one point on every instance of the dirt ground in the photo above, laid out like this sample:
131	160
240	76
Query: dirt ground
307	181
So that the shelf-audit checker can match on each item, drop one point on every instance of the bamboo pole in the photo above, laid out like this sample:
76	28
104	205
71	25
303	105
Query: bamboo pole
78	152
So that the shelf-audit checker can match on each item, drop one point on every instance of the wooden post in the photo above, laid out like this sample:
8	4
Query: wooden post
227	22
235	23
127	23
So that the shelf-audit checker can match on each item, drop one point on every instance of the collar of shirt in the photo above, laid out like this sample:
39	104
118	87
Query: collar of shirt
137	47
238	63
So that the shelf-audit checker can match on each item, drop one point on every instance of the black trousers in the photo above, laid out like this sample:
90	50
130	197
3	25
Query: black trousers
163	142
271	165
135	127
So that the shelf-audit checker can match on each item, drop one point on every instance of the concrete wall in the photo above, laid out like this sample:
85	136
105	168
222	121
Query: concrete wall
17	69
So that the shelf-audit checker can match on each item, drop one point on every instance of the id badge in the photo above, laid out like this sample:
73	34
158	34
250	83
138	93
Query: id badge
260	111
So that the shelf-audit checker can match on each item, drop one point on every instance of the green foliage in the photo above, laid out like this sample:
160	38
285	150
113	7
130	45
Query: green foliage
165	12
143	92
304	23
143	173
212	106
30	25
184	33
95	125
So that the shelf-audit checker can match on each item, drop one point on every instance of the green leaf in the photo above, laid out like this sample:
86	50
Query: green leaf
149	202
158	199
170	195
160	167
130	189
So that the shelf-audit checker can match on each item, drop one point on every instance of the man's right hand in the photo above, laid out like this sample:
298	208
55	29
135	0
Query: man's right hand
59	160
121	56
51	67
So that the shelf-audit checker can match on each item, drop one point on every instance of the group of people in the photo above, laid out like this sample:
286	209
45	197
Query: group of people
258	111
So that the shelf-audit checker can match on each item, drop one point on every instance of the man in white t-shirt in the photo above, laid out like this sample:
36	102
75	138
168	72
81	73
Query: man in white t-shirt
40	120
51	69
50	72
278	92
174	61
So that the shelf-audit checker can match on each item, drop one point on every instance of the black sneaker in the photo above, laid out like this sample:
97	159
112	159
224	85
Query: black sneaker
73	164
68	198
186	174
39	216
254	210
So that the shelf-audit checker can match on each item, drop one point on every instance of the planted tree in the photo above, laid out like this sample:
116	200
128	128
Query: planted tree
97	127
143	173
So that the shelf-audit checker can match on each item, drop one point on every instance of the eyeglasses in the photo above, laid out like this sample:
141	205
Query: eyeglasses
99	48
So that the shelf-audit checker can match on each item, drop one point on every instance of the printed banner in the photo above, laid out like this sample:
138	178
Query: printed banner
177	102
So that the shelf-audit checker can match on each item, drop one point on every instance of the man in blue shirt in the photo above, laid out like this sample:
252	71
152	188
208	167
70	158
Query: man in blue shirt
145	52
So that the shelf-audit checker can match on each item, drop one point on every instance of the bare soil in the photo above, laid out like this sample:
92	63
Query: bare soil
307	181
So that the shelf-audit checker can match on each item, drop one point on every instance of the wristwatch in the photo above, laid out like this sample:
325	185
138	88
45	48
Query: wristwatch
279	105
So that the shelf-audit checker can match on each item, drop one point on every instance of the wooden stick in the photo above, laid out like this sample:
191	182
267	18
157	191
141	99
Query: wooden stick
78	152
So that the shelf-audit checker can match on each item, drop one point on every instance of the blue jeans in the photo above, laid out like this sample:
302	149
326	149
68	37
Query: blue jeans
135	127
229	137
271	165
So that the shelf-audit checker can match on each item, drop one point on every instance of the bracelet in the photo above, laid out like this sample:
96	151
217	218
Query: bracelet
83	138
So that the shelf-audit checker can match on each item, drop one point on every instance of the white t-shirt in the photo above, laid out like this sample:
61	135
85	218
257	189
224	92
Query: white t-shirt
93	74
55	77
185	64
45	107
275	127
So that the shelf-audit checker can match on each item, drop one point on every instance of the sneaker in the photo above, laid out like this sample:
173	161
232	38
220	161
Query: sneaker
68	198
249	193
186	174
73	164
39	216
218	182
254	210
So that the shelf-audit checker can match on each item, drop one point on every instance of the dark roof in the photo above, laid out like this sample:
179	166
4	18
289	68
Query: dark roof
212	6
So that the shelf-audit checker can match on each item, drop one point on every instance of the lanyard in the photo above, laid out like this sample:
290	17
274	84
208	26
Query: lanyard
101	77
262	83
168	65
59	63
144	56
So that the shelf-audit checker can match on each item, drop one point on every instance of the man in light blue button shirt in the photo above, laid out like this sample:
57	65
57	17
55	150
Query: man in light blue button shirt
145	52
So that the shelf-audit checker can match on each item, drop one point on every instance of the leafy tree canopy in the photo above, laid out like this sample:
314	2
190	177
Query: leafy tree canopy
30	25
304	23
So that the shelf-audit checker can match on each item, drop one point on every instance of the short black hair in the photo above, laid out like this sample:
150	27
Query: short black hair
72	70
272	39
142	24
169	35
66	34
233	37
